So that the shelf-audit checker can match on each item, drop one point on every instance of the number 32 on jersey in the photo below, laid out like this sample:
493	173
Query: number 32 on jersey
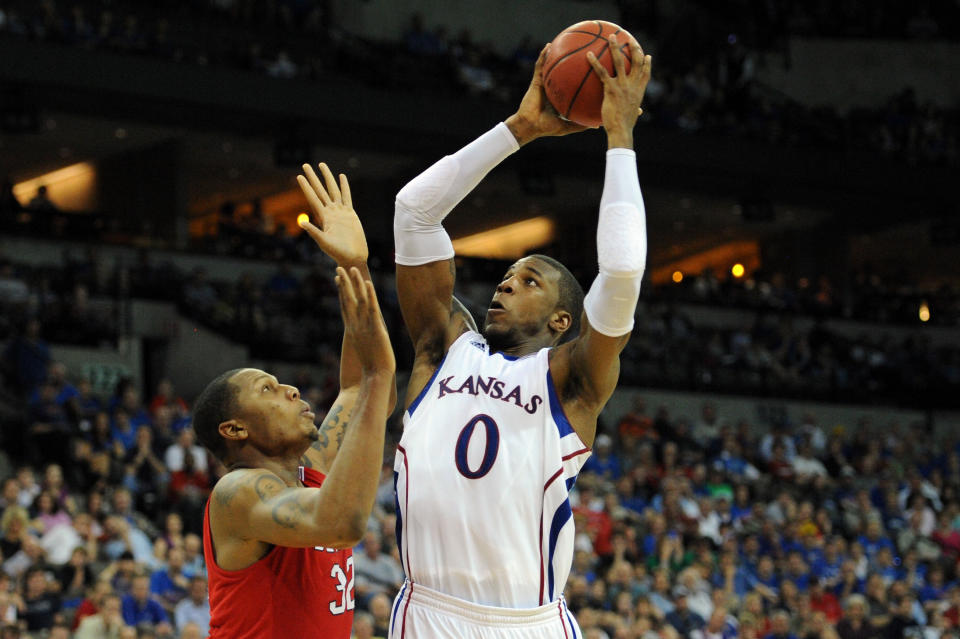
344	585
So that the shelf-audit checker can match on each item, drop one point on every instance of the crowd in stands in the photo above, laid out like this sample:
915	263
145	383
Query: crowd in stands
706	79
55	303
101	501
687	525
781	344
865	296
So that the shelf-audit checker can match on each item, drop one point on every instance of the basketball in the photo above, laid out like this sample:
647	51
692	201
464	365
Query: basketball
571	84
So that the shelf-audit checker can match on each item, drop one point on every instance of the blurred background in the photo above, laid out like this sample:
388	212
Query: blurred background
797	338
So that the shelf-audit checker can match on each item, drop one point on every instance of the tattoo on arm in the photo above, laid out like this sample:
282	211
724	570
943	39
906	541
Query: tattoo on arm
332	426
267	486
288	511
228	488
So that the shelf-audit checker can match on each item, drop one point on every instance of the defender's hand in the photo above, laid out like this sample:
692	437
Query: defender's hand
338	231
535	117
623	93
363	323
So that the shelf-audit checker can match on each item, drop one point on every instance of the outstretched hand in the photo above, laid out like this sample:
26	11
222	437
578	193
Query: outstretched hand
535	116
623	92
337	231
363	323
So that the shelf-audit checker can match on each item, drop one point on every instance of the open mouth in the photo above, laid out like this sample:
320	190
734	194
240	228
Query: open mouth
496	306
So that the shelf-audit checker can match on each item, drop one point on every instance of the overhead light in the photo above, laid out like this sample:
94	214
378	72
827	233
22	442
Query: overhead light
677	277
302	219
737	270
924	312
510	241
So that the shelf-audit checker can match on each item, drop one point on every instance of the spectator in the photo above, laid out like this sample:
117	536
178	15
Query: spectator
26	358
854	624
105	624
93	601
379	606
41	604
363	626
682	618
375	571
194	609
604	462
13	527
123	432
780	626
193	556
141	607
822	600
41	201
174	456
166	397
636	424
707	428
169	585
77	576
187	493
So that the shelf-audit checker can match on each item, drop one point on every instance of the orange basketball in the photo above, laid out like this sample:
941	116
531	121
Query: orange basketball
571	84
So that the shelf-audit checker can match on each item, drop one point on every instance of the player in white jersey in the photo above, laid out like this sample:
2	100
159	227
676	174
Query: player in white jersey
498	424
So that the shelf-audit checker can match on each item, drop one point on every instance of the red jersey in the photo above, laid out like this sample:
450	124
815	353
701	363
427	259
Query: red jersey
289	593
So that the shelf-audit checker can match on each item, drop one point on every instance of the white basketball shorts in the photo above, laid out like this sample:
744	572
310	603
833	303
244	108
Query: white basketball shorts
421	613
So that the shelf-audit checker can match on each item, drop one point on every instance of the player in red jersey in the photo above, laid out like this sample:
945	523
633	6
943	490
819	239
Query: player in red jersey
279	525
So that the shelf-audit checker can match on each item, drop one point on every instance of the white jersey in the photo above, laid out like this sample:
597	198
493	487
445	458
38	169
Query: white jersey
482	473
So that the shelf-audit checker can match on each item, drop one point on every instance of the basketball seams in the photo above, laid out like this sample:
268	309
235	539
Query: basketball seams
561	59
595	37
586	77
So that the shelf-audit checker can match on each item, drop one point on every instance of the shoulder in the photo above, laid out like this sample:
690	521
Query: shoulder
238	487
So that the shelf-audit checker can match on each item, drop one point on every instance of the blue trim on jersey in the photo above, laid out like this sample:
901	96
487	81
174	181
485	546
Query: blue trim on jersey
570	482
573	628
396	607
426	387
556	408
399	523
560	518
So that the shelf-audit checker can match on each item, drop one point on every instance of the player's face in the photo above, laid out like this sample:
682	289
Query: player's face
273	412
522	303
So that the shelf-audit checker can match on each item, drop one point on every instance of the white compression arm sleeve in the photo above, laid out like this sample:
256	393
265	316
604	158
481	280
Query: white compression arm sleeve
621	248
423	203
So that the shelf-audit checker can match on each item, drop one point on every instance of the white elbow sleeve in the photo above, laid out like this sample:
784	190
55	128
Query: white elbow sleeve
621	248
426	200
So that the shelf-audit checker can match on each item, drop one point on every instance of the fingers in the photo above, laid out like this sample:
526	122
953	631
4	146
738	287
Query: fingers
309	192
358	298
636	55
648	65
315	233
314	181
372	296
616	54
359	288
332	187
345	191
598	68
348	296
538	67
